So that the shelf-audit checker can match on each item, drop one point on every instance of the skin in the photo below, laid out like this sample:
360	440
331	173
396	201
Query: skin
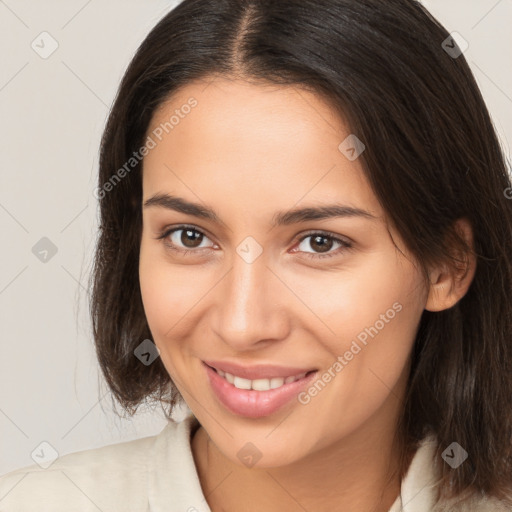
248	151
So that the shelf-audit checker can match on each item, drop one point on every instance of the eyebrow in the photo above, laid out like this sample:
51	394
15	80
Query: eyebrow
282	218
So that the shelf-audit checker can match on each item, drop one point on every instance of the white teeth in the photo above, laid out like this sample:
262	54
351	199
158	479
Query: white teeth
258	384
266	384
276	382
242	383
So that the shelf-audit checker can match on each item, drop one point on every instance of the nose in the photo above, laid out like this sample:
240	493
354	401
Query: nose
251	305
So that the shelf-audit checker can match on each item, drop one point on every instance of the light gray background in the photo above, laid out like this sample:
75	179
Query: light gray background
52	114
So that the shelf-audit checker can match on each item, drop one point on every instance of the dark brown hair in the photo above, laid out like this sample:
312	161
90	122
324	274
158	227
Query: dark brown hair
432	156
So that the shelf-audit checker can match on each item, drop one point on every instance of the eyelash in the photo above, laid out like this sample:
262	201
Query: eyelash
344	244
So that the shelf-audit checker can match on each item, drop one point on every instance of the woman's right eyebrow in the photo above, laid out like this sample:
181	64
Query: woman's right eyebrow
181	205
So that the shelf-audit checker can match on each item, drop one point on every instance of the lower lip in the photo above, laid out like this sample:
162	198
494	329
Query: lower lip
251	403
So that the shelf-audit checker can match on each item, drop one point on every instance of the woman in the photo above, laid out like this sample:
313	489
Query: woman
305	237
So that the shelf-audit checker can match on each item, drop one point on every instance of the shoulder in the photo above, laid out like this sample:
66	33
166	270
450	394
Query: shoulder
419	487
474	504
111	477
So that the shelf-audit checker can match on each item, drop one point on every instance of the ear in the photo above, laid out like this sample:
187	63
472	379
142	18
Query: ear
449	285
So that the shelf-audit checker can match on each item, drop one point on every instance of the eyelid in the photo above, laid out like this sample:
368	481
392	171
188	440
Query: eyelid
329	234
169	229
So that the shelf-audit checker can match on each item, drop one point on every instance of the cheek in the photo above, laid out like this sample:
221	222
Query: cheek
374	290
164	305
164	289
164	295
171	295
366	318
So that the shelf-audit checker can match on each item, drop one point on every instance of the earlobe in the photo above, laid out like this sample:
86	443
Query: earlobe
449	285
441	293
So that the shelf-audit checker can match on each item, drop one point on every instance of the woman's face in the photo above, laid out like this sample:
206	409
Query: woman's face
260	286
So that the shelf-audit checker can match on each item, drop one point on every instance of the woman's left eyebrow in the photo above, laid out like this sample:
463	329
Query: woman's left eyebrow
319	213
281	218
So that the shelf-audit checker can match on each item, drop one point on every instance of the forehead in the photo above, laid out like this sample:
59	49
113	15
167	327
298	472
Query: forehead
256	142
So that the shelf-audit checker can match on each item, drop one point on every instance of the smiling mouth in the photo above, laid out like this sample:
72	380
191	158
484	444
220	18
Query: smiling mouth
256	398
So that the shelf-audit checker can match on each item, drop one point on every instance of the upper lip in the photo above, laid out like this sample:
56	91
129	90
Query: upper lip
259	371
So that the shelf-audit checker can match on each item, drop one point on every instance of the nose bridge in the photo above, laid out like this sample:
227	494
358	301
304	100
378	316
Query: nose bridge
247	305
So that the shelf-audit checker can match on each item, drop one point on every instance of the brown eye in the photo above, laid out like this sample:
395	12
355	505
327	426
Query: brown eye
321	245
190	237
185	239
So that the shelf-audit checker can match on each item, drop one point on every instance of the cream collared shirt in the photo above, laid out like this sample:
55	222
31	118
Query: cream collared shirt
158	474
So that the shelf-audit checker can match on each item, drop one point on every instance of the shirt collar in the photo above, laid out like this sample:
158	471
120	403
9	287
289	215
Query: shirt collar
173	482
418	489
